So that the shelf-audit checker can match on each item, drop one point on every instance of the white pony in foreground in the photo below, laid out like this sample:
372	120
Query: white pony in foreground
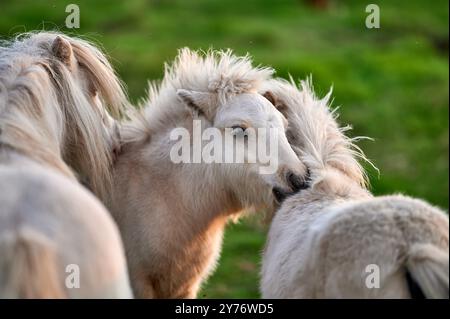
325	241
53	129
172	215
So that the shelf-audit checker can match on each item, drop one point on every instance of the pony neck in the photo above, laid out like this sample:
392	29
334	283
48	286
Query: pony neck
333	184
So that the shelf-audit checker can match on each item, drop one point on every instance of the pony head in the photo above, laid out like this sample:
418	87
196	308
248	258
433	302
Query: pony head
314	133
58	93
220	92
251	139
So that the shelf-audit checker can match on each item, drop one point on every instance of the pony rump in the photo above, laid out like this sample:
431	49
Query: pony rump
37	86
29	266
313	131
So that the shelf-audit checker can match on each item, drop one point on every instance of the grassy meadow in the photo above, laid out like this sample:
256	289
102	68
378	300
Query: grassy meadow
391	83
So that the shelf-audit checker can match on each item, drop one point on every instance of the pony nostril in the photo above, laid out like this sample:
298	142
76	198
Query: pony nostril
296	182
308	178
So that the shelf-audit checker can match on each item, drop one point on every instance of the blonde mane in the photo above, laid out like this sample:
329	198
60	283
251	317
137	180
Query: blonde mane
45	113
313	131
218	72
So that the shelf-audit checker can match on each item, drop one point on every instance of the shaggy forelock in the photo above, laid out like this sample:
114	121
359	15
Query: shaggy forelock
218	72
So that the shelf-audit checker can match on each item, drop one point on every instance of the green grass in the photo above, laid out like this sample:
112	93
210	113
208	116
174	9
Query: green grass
392	83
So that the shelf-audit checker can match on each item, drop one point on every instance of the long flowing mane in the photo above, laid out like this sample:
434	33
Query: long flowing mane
46	114
218	72
313	131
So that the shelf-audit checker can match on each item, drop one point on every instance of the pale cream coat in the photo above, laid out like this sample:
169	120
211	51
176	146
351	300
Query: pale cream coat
325	241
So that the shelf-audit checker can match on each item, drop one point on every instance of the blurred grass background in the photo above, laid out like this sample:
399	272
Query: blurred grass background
392	82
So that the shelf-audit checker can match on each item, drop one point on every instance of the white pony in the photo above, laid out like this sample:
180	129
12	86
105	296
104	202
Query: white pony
54	128
335	240
172	215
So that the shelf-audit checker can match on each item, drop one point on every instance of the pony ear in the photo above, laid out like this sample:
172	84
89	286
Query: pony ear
269	95
279	105
198	102
62	50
